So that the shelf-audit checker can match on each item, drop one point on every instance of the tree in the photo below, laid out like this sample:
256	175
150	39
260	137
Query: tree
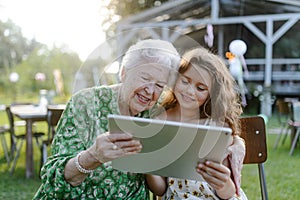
29	57
13	46
115	10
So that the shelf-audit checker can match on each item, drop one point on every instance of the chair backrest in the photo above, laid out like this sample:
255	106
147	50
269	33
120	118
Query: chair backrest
54	113
11	120
253	131
284	110
283	106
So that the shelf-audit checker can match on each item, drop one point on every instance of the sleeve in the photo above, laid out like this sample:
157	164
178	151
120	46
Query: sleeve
72	133
236	154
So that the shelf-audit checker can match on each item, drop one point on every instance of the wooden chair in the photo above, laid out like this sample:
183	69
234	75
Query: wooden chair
18	139
254	133
295	123
284	114
6	128
54	113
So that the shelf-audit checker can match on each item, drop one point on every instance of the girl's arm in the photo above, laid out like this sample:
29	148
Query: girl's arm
157	184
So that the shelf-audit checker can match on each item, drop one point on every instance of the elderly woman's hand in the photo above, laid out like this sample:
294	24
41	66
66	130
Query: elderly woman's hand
108	147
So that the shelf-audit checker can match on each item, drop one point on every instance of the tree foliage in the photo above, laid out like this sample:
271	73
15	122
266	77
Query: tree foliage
116	10
29	57
13	46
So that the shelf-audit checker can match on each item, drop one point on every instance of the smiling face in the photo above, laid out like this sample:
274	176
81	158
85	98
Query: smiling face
142	86
192	88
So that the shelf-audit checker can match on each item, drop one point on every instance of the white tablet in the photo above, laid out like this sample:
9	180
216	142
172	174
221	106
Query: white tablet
170	149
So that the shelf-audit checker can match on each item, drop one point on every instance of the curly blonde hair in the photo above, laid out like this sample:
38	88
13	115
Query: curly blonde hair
223	103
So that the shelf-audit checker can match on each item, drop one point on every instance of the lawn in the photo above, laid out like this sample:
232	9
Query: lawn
282	177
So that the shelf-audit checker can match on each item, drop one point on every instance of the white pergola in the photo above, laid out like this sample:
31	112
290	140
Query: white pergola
146	22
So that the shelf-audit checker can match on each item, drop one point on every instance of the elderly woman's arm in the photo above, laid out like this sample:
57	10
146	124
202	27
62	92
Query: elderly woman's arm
86	161
106	148
69	140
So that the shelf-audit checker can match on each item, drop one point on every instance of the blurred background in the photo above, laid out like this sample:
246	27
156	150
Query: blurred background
54	48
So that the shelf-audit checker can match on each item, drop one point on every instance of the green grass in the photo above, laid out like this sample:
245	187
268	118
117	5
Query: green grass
280	168
17	186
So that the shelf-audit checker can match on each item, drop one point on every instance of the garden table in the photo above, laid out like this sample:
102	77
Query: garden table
30	114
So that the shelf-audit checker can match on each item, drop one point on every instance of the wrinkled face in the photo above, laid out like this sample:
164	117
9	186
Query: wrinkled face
192	88
143	86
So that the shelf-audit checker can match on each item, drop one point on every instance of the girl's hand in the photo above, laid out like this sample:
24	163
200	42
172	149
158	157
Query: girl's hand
215	174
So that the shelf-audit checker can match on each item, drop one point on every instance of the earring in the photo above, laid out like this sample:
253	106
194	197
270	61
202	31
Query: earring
204	109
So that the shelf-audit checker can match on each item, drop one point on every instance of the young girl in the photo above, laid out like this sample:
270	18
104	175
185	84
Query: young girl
205	92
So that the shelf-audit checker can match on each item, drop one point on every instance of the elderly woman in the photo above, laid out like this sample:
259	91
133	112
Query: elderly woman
80	166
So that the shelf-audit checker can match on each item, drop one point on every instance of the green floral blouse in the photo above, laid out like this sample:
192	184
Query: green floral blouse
84	118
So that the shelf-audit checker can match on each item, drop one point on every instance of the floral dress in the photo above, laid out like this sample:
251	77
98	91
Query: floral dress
193	190
84	118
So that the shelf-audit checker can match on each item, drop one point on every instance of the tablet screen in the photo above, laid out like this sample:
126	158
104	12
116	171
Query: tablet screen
170	149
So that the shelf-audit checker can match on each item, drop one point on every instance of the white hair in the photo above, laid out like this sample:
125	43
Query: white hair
151	51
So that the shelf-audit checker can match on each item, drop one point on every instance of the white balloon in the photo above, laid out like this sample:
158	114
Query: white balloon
238	47
14	77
